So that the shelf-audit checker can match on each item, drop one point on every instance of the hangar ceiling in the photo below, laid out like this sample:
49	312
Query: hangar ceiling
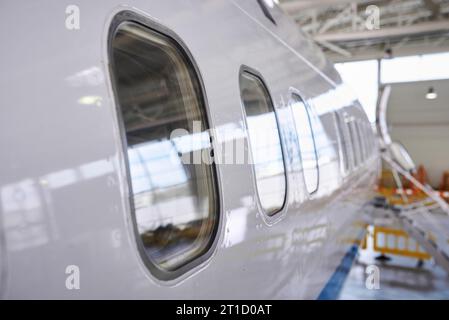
346	29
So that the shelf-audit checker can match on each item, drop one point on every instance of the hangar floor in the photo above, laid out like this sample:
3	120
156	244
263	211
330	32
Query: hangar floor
400	278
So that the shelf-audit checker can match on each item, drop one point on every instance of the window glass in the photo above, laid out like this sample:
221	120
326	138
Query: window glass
265	143
174	197
307	144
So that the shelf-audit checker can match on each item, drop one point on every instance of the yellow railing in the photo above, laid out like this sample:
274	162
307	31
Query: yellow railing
397	241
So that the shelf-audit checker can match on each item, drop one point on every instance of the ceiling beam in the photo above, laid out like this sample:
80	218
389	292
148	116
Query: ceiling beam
425	27
295	6
335	48
379	53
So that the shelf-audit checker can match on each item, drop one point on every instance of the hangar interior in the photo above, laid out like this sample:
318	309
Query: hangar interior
207	149
403	45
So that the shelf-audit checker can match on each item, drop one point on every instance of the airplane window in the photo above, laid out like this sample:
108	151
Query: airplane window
368	140
174	198
365	140
372	140
370	131
265	144
266	11
343	141
361	138
307	142
355	144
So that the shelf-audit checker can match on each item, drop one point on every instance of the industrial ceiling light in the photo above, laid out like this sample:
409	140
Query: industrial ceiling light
431	94
388	54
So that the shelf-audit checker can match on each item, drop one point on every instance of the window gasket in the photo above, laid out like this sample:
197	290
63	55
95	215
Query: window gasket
164	276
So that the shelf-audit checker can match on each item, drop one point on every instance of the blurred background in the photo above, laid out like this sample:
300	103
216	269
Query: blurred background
403	45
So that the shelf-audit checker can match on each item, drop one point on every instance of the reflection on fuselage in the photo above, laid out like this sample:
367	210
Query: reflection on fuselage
169	214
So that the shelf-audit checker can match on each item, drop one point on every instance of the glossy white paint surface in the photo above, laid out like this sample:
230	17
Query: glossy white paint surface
63	186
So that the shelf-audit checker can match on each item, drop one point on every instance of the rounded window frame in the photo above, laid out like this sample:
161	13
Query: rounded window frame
276	216
293	91
129	16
